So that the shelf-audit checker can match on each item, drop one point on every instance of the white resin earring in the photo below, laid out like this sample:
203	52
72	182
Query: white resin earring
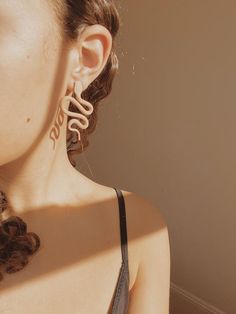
81	121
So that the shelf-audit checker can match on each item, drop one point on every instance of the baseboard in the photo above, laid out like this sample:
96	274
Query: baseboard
184	302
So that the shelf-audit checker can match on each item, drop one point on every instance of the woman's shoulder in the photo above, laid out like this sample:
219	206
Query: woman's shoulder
146	228
144	217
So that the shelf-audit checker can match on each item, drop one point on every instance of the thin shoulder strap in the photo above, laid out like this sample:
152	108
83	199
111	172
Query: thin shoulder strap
123	226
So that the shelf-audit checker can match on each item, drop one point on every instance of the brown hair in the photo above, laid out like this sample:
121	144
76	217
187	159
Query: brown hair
16	244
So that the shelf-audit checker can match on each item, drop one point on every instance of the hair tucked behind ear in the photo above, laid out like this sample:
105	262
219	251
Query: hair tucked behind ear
73	16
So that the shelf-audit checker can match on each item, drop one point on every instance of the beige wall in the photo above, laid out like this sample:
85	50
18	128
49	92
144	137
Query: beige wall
168	131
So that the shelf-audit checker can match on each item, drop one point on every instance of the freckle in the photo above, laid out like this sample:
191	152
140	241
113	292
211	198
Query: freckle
28	56
28	120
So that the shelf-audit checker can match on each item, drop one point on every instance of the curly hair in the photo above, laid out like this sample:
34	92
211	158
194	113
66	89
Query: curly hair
16	244
72	16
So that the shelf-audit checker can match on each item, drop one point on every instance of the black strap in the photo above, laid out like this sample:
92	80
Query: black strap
123	226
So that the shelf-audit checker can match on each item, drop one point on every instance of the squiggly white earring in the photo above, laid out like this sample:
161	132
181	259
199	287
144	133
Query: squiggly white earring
82	121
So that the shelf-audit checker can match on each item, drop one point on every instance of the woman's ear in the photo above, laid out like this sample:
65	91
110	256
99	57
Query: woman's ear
90	55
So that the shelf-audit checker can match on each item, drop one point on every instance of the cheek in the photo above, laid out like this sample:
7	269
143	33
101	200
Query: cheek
26	81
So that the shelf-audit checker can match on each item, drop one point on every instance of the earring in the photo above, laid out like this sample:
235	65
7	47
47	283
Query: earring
82	121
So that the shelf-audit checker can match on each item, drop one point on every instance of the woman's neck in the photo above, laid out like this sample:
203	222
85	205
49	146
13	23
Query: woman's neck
41	178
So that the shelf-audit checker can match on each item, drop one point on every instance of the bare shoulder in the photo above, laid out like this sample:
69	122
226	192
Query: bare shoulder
148	253
145	219
148	228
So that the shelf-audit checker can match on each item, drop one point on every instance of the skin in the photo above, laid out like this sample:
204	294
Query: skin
38	68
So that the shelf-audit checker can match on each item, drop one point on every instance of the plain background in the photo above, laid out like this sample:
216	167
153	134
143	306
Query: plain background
167	132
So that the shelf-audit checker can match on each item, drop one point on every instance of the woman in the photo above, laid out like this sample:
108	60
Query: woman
63	237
